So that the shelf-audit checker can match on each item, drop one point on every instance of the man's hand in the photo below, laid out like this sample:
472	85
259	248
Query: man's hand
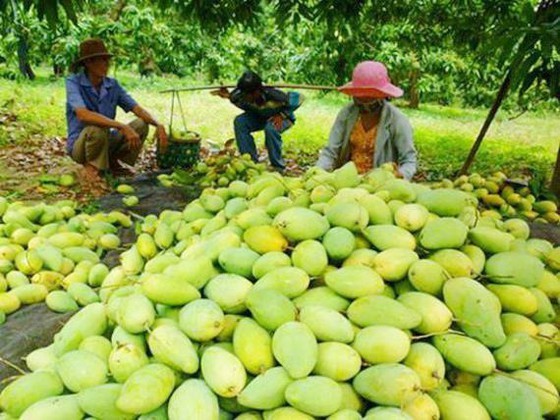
131	137
161	136
222	93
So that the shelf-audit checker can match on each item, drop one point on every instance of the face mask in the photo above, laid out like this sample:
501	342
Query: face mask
369	107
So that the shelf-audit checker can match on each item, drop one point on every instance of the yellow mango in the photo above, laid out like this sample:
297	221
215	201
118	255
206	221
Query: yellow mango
253	345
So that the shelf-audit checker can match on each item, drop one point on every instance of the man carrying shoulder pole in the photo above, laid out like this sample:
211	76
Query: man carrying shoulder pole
266	108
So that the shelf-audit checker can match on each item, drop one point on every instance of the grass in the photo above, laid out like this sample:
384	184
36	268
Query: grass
443	135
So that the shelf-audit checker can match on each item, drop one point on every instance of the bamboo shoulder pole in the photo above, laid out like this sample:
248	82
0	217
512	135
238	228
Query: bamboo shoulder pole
285	86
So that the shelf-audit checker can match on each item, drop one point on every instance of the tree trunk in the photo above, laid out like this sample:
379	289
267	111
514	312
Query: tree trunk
502	93
413	90
555	183
117	10
23	59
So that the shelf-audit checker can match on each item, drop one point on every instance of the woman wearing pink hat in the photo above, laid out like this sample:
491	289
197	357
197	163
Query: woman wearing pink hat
370	131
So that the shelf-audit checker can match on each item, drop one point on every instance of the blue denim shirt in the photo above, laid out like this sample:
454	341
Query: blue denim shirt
81	94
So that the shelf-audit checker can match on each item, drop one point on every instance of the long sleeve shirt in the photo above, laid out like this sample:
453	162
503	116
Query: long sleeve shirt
393	141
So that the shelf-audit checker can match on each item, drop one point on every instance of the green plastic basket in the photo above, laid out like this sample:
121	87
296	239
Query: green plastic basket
181	152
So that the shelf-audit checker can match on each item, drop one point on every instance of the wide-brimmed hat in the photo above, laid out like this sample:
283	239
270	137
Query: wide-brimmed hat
370	79
90	48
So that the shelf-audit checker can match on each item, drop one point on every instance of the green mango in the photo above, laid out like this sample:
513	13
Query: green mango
436	316
428	363
146	389
201	320
298	224
393	264
290	281
267	390
295	348
349	215
518	352
427	276
454	262
327	324
91	320
544	389
54	408
507	398
445	232
337	361
545	310
360	256
491	240
477	309
100	402
465	353
322	296
270	261
223	372
238	261
446	202
270	308
339	243
29	389
459	406
315	395
549	368
515	298
125	359
411	217
170	346
229	291
169	289
354	281
310	256
384	237
80	369
514	268
387	384
381	310
378	210
513	323
382	344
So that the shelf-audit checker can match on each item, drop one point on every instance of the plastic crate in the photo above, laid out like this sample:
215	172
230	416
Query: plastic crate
180	153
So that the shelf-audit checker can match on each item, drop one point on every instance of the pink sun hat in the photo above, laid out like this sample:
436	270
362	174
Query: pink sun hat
370	79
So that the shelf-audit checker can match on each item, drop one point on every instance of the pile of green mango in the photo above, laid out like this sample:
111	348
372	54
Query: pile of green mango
331	295
217	170
501	198
50	253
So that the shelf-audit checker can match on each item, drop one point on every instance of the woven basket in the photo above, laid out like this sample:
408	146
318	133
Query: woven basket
181	152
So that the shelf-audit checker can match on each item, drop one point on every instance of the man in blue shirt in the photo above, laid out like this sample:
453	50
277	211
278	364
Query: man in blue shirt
265	109
95	138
